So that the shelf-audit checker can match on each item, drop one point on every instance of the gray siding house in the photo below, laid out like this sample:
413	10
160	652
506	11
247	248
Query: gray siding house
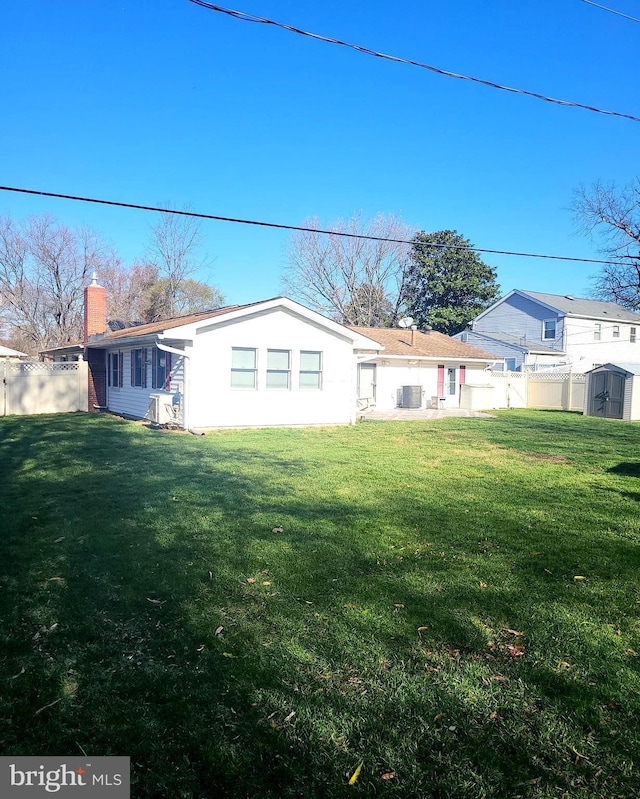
541	330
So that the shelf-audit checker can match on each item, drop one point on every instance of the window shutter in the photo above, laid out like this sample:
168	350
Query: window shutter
144	368
154	368
463	374
120	369
133	373
167	380
440	380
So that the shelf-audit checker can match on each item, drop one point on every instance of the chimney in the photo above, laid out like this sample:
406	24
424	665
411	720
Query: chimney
413	334
95	309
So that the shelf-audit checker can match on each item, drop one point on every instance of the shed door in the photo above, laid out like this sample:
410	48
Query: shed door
607	394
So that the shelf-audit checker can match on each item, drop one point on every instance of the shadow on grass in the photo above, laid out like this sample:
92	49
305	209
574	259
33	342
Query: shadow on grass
158	613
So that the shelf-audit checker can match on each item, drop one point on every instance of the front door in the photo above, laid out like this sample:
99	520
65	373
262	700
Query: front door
607	395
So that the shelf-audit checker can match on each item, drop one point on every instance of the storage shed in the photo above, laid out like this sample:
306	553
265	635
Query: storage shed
613	391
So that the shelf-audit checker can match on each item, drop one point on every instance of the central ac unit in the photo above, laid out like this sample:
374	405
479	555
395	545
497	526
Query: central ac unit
162	409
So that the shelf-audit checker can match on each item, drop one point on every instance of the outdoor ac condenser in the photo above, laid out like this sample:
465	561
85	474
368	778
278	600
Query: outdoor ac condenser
162	409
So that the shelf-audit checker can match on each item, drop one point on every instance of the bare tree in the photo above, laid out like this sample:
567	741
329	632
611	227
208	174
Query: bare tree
612	216
175	250
44	267
355	281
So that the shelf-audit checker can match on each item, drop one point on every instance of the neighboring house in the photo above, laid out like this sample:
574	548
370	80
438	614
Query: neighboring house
582	333
512	353
415	369
11	354
65	353
263	364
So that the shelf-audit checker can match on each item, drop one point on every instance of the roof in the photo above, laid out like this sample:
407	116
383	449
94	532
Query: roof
517	341
397	342
631	368
577	306
7	352
168	324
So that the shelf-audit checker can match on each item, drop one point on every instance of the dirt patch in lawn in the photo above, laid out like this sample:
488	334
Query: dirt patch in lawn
541	456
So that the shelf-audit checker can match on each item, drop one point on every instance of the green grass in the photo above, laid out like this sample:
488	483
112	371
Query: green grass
419	611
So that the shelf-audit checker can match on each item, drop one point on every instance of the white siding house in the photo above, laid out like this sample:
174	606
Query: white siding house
268	363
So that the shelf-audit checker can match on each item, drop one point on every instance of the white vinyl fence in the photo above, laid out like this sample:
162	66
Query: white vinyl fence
30	387
549	390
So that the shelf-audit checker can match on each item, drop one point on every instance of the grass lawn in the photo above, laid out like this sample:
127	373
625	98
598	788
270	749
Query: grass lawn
454	604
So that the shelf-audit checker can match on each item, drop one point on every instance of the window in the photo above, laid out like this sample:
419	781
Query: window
451	381
243	367
114	371
139	368
632	335
278	369
161	369
310	370
597	333
549	329
616	331
510	364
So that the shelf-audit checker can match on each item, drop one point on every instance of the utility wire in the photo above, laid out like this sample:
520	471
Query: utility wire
241	15
611	10
304	229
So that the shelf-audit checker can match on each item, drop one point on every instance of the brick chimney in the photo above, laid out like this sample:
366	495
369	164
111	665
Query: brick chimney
95	322
95	309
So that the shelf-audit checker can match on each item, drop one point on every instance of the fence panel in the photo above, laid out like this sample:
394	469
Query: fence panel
564	391
31	387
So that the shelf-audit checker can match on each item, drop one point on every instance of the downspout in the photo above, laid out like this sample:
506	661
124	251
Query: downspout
186	356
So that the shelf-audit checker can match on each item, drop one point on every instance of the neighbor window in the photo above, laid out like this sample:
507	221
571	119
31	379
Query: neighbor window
278	369
616	331
115	369
310	369
549	329
510	364
632	335
597	333
139	368
243	367
160	369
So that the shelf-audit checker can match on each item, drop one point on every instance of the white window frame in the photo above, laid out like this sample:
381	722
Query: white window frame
272	371
632	335
243	370
597	332
616	331
545	322
317	372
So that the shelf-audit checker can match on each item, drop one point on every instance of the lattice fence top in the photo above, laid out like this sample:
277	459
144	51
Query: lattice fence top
40	367
551	376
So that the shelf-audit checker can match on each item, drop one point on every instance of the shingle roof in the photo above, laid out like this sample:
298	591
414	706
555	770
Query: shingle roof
169	324
397	341
517	341
584	307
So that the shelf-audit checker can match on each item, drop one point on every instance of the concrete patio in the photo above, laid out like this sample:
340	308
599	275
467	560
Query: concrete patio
419	414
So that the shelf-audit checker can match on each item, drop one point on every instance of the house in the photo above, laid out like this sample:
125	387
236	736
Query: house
511	351
572	332
267	363
417	369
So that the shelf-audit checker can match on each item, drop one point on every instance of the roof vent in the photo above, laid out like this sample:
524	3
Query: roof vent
569	297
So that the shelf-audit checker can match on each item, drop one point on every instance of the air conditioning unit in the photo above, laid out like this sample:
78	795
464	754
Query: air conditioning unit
163	408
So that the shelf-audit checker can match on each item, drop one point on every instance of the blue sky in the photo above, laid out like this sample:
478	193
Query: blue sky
161	101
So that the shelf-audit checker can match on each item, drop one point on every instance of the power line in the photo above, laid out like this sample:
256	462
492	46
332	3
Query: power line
241	15
302	228
611	10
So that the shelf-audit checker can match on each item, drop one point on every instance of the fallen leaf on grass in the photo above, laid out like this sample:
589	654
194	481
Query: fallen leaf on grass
388	776
579	577
266	582
278	530
511	632
219	631
498	678
422	629
58	540
398	605
251	580
156	601
356	773
290	716
516	651
227	655
564	664
483	585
